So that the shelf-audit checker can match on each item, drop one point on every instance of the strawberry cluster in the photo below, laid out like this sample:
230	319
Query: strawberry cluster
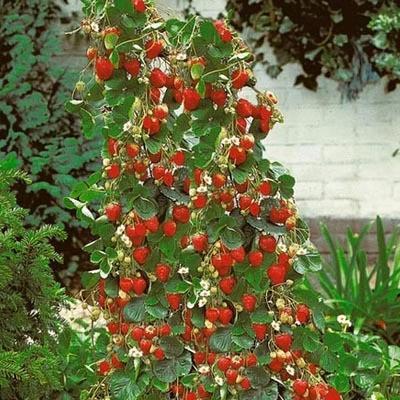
200	236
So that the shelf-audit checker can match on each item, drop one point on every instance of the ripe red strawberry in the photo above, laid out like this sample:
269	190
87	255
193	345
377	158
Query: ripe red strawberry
302	313
168	178
152	224
211	358
239	78
231	376
276	274
161	111
202	392
265	188
255	209
158	172
245	201
218	180
113	171
251	360
112	146
116	363
260	330
212	314
276	364
163	272
155	95
223	363
140	254
174	300
256	258
225	315
113	327
227	284
159	353
299	386
132	66
139	6
332	394
137	333
264	126
145	345
150	332
249	302
191	99
165	330
153	48
218	96
178	158
237	155
104	367
181	214
126	284
238	254
245	383
241	125
104	68
113	211
139	285
199	357
284	341
158	78
169	228
200	242
237	362
247	141
190	396
177	390
200	201
223	31
91	53
151	125
125	328
267	243
132	150
244	108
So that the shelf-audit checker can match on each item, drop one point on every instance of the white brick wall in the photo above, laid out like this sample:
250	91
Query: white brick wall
340	153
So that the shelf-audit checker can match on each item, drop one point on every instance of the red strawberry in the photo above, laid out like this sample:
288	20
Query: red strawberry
200	242
200	201
202	392
158	172
267	243
161	111
104	367
212	314
219	180
91	53
256	258
225	315
260	330
140	254
224	33
169	228
126	284
223	363
251	360
227	284
174	300
139	285
199	357
231	376
238	254
249	302
132	66
112	146
159	353
245	383
116	363
191	99
181	214
113	171
178	158
151	125
284	341
265	188
276	365
244	108
145	345
237	155
132	150
247	141
165	330
255	209
139	6
158	78
264	126
113	211
276	274
218	97
152	224
299	386
104	68
113	327
163	272
155	95
125	328
190	396
211	358
241	125
302	313
137	333
168	178
239	79
245	201
332	395
153	48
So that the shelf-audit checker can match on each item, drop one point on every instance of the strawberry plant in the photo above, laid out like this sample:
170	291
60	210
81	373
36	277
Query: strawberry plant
199	242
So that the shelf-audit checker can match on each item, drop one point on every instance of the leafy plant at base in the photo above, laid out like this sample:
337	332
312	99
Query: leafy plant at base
199	238
367	294
354	43
36	129
29	298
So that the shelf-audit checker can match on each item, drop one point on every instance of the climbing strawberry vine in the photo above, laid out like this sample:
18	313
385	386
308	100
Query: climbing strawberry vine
200	247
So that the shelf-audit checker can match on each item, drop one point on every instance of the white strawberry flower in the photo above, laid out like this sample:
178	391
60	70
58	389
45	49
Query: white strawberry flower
120	230
192	192
219	381
205	284
290	370
183	270
225	141
204	369
127	126
205	293
235	140
202	189
202	302
207	179
135	353
95	26
276	325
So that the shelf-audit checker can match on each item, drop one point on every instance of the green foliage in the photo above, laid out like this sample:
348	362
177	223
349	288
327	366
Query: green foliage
353	42
367	294
29	298
34	87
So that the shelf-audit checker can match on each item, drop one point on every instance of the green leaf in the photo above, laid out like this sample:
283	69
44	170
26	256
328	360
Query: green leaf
172	346
146	208
135	310
333	341
307	263
110	40
87	123
328	361
97	256
124	6
196	71
261	316
170	369
177	286
221	340
258	376
124	387
111	287
243	341
232	238
89	279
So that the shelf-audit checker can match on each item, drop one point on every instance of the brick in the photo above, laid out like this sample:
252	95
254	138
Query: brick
366	190
324	172
380	170
295	154
356	153
308	190
345	208
396	190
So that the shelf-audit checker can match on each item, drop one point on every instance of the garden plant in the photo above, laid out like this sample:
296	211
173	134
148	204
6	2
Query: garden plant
200	248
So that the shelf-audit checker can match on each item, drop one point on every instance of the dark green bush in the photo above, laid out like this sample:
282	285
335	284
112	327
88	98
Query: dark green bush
33	121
